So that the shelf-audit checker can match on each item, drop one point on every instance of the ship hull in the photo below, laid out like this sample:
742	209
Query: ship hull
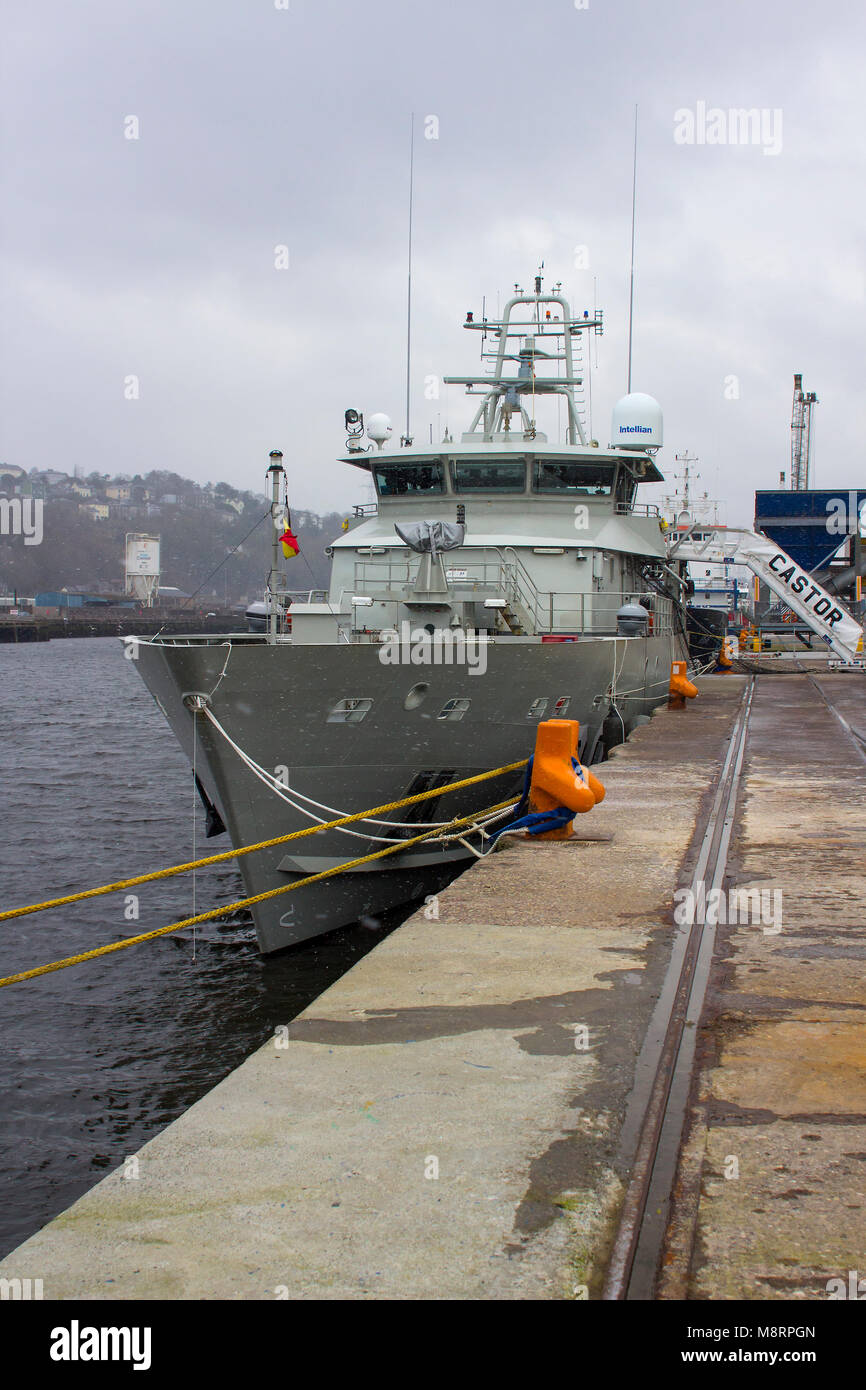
281	705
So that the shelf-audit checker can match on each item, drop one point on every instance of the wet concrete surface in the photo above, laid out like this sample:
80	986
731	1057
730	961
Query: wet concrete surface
444	1121
772	1185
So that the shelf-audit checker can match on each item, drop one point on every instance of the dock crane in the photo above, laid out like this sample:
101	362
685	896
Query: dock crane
801	435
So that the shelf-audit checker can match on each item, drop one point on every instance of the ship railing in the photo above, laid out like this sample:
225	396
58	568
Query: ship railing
303	595
500	574
636	509
595	614
527	601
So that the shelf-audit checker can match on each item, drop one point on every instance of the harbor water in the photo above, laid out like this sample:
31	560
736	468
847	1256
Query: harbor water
99	1057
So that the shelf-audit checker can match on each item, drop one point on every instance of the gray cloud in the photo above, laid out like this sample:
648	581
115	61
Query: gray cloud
258	127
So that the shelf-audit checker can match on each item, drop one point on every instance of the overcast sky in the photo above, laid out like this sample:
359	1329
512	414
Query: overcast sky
260	126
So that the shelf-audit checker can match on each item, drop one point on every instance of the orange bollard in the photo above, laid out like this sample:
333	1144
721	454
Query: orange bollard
555	780
680	688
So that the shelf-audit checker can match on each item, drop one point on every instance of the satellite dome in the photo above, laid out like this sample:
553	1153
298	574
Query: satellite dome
637	422
379	429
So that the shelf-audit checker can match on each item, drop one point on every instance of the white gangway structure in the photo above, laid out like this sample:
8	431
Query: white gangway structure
821	611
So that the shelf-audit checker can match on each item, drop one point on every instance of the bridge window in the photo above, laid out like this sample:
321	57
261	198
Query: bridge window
575	479
491	475
454	709
350	711
409	479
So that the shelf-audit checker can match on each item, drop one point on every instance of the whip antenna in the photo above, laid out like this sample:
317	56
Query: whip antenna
408	435
631	282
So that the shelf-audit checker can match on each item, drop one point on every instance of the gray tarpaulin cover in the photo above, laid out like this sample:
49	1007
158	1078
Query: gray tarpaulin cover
431	535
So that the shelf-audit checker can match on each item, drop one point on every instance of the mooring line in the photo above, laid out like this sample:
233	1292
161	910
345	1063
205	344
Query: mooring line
441	832
262	844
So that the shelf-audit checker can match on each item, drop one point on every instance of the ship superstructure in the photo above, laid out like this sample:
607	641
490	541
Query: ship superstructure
499	580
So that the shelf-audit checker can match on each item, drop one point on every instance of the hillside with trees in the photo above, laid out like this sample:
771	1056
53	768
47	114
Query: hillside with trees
85	521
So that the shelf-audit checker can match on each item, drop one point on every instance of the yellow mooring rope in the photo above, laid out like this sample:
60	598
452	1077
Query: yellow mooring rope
262	844
259	897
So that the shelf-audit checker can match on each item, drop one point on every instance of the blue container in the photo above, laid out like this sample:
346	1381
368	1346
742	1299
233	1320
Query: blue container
55	599
810	526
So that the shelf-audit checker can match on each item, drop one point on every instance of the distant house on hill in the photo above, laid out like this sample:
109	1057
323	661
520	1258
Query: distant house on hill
51	477
98	510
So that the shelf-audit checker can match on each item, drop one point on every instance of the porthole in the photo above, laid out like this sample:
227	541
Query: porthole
416	696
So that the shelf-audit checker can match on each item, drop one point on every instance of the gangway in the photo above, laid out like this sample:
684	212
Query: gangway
820	610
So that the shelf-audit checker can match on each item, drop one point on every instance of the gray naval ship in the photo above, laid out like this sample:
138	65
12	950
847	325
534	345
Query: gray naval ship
496	582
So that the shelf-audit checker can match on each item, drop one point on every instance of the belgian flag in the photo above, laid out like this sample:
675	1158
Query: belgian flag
290	543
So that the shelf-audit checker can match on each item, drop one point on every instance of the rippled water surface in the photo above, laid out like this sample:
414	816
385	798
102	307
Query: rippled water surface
99	1057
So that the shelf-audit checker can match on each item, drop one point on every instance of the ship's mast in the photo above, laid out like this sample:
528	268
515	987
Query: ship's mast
275	472
686	459
545	339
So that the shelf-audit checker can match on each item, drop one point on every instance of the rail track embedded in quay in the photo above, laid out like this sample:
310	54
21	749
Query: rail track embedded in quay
655	1122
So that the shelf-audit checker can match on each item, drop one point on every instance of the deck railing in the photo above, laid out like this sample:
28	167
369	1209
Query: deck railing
500	574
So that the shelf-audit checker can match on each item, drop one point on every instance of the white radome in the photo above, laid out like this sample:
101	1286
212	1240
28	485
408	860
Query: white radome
379	428
637	422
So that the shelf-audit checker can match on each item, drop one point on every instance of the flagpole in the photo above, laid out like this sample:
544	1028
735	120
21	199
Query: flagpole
275	470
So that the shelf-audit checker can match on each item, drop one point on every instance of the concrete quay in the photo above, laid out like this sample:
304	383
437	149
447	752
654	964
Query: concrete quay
772	1184
446	1120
